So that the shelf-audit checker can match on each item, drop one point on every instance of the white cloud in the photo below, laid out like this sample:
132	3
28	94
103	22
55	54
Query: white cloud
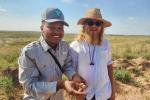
67	1
2	10
131	18
85	5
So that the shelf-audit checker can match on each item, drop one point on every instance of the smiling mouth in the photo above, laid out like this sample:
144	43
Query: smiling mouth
94	29
56	36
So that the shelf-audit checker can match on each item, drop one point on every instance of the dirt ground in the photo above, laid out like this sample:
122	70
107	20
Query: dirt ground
140	73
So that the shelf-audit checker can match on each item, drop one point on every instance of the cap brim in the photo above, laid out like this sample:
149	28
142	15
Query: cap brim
56	20
106	23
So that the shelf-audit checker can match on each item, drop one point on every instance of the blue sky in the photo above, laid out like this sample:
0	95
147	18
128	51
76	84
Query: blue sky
130	17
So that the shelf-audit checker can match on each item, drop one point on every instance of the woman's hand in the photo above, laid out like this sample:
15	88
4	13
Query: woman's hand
77	78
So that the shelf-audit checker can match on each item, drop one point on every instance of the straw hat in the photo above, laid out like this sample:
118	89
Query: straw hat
94	13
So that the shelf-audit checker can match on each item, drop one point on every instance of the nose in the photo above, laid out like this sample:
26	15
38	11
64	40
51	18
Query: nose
56	31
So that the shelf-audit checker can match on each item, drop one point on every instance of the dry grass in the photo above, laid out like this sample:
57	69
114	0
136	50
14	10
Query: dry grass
125	47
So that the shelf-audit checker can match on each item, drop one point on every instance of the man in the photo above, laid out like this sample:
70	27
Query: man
38	71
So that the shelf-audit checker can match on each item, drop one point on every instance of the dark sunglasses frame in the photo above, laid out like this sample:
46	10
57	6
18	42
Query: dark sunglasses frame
91	23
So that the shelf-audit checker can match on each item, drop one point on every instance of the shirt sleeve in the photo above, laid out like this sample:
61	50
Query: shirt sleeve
68	68
74	55
109	54
29	78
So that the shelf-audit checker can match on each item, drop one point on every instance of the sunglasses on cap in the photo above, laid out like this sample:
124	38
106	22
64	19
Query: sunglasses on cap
91	23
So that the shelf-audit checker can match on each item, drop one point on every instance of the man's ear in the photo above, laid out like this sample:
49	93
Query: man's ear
41	27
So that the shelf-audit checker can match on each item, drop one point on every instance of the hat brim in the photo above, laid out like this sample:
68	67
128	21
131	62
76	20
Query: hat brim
57	20
105	22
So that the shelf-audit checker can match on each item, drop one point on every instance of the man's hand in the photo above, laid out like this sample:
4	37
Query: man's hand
71	87
83	85
74	88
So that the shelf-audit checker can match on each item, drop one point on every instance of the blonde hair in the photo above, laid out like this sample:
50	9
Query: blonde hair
84	35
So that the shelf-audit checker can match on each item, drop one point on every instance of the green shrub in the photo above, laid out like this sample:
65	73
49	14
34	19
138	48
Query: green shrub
122	76
6	85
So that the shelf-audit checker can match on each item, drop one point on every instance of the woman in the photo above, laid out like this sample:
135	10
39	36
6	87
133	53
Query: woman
92	58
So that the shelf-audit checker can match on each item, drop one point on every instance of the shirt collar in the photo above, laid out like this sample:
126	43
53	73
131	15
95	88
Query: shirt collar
45	46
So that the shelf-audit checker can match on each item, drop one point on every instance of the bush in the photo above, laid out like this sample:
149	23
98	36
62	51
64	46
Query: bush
6	85
122	76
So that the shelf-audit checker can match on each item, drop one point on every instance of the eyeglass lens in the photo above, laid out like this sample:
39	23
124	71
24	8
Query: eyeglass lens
91	23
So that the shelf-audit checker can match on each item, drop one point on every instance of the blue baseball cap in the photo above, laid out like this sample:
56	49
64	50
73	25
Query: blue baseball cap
53	15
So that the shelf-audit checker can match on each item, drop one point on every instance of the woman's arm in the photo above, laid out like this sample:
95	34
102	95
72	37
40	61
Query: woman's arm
110	73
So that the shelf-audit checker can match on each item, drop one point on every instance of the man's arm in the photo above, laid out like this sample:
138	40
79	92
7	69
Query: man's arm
68	64
29	78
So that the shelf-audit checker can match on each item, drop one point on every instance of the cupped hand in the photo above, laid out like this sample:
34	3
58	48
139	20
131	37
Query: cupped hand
74	88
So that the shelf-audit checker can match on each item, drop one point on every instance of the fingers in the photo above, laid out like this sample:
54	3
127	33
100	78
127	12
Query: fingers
75	92
78	89
83	81
75	88
82	87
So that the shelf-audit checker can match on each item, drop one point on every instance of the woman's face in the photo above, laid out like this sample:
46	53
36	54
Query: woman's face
93	27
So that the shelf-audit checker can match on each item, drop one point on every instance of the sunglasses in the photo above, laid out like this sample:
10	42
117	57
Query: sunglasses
91	23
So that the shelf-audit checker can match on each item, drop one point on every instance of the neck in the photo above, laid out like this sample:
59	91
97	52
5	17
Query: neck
92	40
52	45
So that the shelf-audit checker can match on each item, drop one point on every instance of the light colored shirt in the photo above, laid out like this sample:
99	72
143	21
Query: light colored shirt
38	72
96	75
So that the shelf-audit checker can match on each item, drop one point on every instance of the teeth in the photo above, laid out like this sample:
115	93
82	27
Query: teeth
56	36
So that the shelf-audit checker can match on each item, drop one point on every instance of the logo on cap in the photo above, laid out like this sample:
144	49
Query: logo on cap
58	12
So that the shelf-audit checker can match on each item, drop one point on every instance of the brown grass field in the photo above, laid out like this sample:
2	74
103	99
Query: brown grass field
131	60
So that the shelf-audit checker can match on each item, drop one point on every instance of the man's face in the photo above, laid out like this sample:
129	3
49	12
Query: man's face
53	32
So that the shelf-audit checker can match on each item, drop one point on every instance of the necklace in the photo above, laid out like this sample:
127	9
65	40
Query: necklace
91	53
